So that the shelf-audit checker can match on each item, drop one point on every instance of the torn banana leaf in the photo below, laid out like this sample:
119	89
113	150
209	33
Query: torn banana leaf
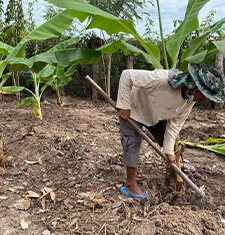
216	145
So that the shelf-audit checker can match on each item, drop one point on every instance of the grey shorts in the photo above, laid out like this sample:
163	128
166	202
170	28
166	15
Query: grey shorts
131	140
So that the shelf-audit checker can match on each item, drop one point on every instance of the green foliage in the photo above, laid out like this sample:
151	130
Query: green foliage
14	30
197	44
62	58
109	23
51	11
1	11
121	8
189	24
211	144
11	90
113	25
30	22
25	102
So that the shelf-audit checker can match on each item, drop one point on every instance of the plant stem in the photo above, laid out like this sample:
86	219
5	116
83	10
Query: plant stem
3	82
161	34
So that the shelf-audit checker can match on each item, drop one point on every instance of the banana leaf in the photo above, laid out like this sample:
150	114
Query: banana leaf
189	24
61	58
5	49
213	48
25	102
197	42
127	49
107	22
11	89
52	28
65	44
216	145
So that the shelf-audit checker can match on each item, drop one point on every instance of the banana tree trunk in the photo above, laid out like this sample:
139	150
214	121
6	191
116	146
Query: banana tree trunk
130	61
109	74
16	82
1	150
95	69
219	66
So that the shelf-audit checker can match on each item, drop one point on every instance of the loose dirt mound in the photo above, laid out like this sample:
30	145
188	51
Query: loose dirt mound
72	160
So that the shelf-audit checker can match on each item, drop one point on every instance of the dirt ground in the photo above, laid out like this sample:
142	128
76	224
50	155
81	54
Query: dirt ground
64	174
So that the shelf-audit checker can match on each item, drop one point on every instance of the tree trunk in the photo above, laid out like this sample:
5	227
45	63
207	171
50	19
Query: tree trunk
219	66
109	74
2	152
130	61
95	69
16	83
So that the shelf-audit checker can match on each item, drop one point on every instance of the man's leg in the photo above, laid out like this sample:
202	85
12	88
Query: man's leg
131	142
131	183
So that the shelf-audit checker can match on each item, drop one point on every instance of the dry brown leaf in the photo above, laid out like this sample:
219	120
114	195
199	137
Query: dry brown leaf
43	191
90	188
54	223
53	196
32	194
100	200
23	204
15	188
74	221
90	205
47	190
83	195
40	161
43	203
68	203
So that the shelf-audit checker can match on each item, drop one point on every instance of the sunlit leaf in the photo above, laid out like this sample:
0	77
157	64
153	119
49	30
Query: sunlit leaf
213	141
11	89
219	147
65	44
5	49
109	23
189	24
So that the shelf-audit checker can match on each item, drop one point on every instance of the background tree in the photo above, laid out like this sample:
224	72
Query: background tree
15	24
14	29
1	11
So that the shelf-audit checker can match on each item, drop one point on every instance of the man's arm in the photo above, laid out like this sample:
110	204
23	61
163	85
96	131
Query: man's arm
173	127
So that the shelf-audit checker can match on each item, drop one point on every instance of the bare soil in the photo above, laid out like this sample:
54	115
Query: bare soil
73	160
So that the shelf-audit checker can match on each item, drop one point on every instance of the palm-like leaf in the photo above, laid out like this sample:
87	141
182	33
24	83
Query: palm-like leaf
211	144
197	42
5	49
189	24
213	48
63	58
107	22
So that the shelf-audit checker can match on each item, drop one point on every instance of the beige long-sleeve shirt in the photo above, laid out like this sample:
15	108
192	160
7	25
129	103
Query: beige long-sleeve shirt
151	99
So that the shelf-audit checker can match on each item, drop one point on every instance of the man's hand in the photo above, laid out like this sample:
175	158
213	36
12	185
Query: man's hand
124	114
172	159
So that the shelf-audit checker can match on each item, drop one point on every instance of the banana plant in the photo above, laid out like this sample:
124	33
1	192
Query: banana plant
35	99
113	25
60	79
